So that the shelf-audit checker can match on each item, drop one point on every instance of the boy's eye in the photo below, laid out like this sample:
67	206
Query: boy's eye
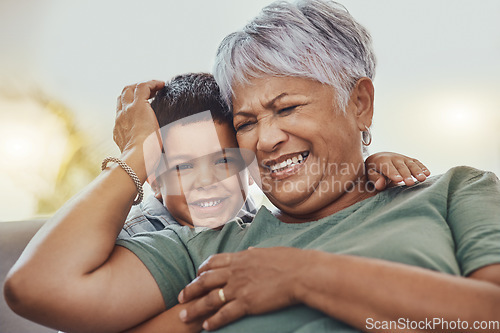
228	160
183	166
223	160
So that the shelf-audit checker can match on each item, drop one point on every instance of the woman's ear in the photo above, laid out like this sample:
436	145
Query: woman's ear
363	97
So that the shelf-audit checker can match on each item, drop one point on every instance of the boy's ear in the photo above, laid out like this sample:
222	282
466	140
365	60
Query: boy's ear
250	180
156	188
158	196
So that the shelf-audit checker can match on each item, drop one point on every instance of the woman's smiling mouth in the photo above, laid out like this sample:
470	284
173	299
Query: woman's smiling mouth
286	165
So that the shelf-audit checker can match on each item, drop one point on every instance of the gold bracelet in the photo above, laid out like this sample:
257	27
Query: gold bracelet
130	172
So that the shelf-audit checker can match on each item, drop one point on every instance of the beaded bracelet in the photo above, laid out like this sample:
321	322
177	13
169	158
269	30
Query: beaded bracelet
130	172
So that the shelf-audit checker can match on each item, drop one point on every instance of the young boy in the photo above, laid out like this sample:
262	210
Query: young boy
203	180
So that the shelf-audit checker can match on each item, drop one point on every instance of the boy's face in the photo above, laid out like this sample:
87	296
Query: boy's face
206	182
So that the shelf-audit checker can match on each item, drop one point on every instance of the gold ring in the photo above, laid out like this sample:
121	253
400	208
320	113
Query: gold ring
221	295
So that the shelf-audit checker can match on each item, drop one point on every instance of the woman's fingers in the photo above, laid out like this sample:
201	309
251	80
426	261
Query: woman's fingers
119	103
224	312
253	281
135	119
146	90
127	95
230	312
138	92
216	261
205	305
202	285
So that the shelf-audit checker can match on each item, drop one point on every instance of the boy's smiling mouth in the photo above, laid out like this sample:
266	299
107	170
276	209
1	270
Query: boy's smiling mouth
208	202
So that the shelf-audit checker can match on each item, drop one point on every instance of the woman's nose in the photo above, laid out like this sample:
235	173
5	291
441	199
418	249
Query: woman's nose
270	135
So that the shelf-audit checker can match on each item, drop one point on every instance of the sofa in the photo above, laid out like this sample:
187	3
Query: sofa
13	239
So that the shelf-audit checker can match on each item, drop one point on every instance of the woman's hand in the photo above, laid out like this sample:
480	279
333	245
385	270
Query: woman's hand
254	281
384	167
136	126
135	119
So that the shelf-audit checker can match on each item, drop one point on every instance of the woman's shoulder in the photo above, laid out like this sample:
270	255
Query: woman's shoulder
460	180
462	176
465	171
456	176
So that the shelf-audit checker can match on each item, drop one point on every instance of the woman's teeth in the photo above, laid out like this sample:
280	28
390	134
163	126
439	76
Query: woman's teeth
300	158
208	203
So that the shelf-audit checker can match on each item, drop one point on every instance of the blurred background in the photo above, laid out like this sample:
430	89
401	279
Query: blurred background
63	63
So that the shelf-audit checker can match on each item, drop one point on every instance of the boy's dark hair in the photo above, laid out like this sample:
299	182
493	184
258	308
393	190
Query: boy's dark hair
189	94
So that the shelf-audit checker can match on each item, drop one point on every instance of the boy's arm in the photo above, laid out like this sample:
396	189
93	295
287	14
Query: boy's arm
384	167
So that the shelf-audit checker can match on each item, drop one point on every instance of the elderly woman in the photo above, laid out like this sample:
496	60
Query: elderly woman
335	256
298	78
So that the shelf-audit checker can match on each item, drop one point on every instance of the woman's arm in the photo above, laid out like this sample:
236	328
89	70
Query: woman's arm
168	322
395	291
349	288
71	276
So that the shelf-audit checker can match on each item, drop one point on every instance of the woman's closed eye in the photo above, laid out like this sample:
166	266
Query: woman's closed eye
245	126
287	110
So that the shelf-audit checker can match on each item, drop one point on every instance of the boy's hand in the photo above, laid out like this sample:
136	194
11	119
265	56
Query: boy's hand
384	167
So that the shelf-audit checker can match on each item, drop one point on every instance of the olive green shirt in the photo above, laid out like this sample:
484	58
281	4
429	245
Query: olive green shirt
449	223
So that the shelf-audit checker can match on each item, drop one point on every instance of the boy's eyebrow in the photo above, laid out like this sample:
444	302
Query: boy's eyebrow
182	158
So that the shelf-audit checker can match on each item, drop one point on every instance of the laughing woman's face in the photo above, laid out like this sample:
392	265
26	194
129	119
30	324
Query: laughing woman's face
309	152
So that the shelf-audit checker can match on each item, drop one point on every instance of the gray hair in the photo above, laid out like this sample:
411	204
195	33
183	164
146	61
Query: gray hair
315	39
